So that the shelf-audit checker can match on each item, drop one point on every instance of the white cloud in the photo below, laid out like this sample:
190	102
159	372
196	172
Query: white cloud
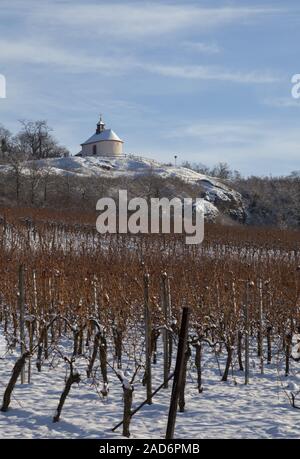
235	141
122	21
151	19
200	72
221	132
200	47
282	102
137	19
35	53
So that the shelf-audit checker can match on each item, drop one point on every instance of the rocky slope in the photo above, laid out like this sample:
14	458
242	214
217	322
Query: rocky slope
220	200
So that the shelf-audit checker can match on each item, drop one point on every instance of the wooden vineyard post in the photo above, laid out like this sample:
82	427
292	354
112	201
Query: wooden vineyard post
288	348
246	318
30	332
166	310
261	331
22	318
170	336
178	373
148	329
95	292
31	325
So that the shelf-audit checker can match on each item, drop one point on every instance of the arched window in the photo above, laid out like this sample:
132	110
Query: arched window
94	149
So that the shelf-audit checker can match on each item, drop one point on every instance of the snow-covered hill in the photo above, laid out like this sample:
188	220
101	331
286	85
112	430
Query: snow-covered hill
219	198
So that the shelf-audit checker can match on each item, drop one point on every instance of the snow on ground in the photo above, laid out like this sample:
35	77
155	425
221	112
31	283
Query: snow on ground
223	410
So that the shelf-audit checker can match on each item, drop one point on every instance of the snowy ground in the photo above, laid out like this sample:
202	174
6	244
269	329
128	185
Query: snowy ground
223	410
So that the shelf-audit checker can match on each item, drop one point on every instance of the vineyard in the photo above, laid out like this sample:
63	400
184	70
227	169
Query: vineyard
89	330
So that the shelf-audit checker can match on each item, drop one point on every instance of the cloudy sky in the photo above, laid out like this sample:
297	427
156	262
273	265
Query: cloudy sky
207	81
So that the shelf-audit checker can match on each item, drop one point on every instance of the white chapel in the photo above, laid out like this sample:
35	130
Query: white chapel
104	142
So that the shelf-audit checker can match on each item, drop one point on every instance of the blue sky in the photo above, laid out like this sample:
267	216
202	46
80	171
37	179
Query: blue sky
208	81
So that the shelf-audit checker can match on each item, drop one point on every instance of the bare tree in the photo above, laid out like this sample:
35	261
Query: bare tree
36	141
5	139
221	170
16	162
34	180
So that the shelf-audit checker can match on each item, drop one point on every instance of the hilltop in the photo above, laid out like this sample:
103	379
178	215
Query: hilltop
220	199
